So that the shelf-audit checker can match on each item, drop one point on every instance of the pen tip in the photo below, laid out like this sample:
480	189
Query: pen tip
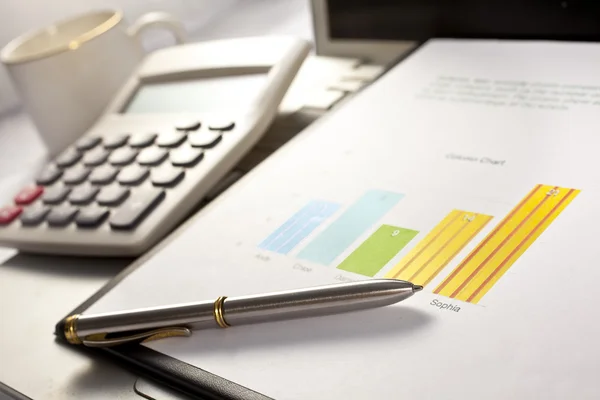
417	288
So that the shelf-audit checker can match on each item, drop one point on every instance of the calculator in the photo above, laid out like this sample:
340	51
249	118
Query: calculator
181	122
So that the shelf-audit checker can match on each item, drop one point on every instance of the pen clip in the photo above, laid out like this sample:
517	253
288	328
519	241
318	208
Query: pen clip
100	339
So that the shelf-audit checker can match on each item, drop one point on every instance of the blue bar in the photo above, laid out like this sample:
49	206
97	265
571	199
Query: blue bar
299	226
355	221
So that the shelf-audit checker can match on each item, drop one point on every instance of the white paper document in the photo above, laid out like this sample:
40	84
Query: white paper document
470	168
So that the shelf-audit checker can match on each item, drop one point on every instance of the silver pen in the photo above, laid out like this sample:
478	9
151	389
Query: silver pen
144	324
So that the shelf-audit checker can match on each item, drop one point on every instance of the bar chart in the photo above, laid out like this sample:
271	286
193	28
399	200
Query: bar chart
349	226
324	231
498	251
375	252
299	226
426	260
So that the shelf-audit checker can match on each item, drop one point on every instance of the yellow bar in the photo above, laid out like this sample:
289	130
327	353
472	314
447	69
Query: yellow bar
439	247
482	268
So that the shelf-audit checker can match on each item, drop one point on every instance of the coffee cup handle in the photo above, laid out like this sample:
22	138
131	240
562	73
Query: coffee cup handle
159	19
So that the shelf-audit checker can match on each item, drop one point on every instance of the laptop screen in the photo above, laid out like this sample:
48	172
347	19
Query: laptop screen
419	20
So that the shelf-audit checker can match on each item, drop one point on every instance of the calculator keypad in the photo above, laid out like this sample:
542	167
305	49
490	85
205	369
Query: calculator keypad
115	141
56	194
167	176
34	215
112	195
88	142
76	175
186	157
188	125
142	139
49	175
123	156
132	175
28	195
83	194
170	139
103	175
115	180
152	156
91	217
9	213
135	208
204	140
223	125
61	215
69	157
95	157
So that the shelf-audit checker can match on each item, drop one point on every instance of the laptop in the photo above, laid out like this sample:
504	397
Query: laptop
379	31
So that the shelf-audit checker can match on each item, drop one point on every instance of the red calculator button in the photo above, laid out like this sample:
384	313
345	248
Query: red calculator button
9	213
28	195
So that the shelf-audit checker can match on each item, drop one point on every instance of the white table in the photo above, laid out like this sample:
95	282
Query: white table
35	293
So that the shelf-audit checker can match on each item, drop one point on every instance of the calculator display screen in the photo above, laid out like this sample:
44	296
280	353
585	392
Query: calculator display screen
197	95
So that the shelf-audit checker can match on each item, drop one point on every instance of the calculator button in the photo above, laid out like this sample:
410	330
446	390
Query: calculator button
136	208
91	217
83	194
224	125
28	195
188	125
61	216
132	175
96	157
166	176
186	157
68	157
112	195
115	141
204	139
170	139
56	194
152	156
32	216
142	139
122	156
9	213
76	175
103	175
86	143
49	175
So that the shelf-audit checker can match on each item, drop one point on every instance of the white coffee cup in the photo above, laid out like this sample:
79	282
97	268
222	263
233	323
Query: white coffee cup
67	73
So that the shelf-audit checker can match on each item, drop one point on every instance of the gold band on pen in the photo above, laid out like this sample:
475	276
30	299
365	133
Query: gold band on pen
219	314
70	332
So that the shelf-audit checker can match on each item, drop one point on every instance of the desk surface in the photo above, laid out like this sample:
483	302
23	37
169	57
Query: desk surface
36	291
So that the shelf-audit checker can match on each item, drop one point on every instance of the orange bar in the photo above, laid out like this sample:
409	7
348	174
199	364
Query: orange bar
439	247
484	266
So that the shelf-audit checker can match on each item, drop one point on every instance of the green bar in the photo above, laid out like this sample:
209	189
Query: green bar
375	252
